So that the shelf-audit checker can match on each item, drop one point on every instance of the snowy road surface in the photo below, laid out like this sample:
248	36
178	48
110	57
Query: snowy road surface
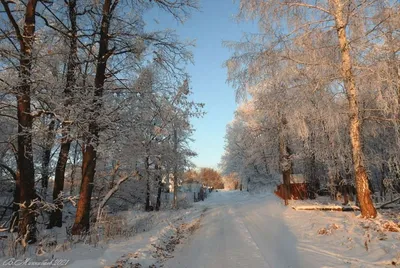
238	231
242	230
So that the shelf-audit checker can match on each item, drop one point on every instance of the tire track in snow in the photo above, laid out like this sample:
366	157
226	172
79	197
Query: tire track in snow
276	242
249	238
221	241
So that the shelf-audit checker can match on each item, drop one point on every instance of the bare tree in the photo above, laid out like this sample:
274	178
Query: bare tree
82	219
72	65
25	180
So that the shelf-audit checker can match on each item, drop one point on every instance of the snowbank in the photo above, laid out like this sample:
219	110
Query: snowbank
344	236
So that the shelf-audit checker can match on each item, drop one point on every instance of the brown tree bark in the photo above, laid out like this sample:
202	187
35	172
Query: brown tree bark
27	216
26	182
56	216
363	192
82	218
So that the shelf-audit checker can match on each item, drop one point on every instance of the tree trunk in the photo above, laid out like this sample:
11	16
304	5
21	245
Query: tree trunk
285	161
363	193
27	221
159	191
107	197
26	178
175	204
56	216
47	155
15	206
73	172
159	185
286	184
17	193
82	218
383	190
147	205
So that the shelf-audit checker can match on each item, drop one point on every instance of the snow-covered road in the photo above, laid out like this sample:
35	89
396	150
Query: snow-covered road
238	231
242	230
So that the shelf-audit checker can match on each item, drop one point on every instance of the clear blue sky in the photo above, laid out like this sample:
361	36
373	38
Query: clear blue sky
210	26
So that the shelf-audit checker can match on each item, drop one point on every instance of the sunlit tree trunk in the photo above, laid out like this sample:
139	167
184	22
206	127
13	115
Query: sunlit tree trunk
82	218
27	221
363	192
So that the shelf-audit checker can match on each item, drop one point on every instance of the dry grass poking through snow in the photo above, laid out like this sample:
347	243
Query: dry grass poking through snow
170	237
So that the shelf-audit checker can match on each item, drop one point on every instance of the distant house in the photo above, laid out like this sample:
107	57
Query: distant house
192	187
298	187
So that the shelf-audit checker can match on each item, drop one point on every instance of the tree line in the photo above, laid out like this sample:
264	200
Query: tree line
320	85
90	99
207	176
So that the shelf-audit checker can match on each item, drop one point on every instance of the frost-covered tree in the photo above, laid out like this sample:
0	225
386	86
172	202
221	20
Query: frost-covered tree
76	76
311	64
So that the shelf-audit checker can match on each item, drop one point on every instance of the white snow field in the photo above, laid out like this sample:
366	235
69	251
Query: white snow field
240	230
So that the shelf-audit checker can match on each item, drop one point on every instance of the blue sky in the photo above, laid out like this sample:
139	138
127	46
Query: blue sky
210	26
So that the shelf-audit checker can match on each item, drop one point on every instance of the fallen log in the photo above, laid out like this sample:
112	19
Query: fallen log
388	203
328	208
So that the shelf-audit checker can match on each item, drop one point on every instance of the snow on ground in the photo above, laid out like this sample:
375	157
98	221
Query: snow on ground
242	230
156	232
238	229
343	239
131	232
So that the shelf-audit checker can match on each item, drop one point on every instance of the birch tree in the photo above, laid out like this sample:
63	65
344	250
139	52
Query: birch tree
302	32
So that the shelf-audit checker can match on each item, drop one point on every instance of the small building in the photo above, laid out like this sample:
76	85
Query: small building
298	187
192	187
